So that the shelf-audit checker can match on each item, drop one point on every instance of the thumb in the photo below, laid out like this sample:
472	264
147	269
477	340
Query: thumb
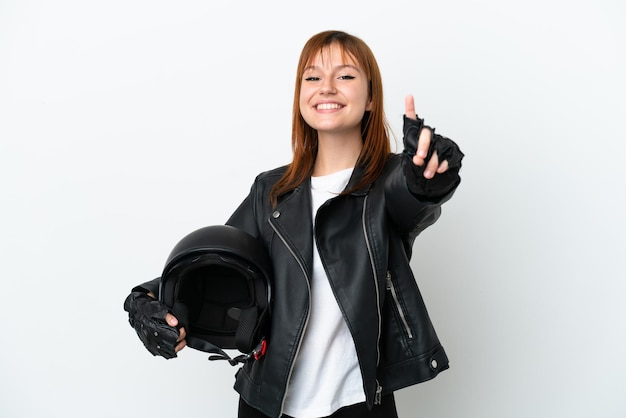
171	320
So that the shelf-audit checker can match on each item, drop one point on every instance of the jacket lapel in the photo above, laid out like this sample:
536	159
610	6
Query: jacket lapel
292	220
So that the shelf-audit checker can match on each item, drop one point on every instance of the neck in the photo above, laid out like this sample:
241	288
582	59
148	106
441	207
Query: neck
336	153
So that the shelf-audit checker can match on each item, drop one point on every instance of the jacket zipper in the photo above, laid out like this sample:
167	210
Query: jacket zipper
379	388
378	397
306	322
396	302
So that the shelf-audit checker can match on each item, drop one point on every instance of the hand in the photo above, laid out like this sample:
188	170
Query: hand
172	321
433	166
157	331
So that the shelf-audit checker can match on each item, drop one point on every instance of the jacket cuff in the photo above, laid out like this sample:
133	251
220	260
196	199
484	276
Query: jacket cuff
147	287
430	190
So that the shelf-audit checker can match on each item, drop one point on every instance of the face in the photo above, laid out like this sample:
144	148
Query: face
334	93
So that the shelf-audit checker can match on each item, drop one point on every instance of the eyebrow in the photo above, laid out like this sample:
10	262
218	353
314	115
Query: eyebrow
338	67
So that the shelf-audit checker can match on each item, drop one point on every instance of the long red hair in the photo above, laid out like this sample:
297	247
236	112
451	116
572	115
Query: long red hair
374	126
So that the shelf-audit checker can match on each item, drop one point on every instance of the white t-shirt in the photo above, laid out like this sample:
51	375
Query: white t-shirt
326	374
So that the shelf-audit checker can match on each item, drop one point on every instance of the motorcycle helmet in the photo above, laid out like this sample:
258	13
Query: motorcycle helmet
217	282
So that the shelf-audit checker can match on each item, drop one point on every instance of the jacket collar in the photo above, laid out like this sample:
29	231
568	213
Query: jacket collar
356	177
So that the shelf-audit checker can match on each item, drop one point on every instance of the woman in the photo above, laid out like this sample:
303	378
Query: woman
348	324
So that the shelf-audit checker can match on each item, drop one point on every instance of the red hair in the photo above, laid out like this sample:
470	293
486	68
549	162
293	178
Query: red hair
374	126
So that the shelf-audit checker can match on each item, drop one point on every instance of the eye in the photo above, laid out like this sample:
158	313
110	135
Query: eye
311	78
347	77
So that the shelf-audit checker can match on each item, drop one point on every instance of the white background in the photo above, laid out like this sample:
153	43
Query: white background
126	124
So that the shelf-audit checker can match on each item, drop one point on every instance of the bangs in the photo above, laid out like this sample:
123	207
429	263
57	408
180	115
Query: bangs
352	52
326	51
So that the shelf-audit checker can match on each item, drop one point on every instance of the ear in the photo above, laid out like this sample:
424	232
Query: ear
368	105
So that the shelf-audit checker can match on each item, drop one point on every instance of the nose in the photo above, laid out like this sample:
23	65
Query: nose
328	86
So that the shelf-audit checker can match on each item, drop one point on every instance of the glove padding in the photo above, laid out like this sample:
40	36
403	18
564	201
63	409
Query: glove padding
147	317
445	147
441	184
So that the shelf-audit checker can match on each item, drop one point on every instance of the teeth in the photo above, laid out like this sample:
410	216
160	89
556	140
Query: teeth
328	106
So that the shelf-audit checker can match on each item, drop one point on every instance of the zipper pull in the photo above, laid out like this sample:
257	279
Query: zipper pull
389	283
378	397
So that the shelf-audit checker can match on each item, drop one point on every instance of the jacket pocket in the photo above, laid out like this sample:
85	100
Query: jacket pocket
398	306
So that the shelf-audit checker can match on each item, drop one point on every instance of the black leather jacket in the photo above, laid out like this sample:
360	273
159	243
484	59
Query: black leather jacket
365	241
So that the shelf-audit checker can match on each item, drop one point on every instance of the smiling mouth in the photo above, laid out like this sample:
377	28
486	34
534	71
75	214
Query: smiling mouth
328	106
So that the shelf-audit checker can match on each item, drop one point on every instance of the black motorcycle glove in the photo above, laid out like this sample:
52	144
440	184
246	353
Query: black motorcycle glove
147	317
442	183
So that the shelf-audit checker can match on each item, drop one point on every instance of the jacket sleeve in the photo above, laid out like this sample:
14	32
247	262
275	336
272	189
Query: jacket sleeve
244	216
414	202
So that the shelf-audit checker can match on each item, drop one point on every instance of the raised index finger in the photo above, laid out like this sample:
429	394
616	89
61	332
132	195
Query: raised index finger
409	107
